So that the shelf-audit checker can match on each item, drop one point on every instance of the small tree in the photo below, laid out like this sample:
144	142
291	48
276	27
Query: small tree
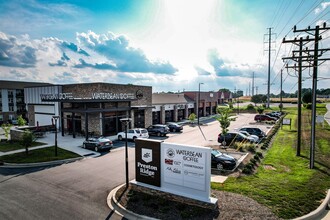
258	98
27	140
192	117
224	120
6	127
260	109
21	121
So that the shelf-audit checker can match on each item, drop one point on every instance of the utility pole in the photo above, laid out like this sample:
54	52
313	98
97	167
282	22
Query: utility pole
281	104
314	58
269	57
298	42
256	90
253	84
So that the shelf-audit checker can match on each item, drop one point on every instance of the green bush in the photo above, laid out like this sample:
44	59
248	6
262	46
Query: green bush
251	148
256	157
250	107
259	154
253	161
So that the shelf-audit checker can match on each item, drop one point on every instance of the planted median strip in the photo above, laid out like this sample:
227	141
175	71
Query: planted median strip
39	155
282	181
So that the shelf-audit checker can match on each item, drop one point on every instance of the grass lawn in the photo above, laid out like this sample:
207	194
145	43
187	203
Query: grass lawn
283	181
39	155
15	145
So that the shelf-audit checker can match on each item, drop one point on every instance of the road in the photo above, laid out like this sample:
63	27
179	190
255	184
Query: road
79	190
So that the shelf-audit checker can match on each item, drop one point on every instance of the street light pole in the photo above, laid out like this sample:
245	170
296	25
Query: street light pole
126	121
55	119
199	97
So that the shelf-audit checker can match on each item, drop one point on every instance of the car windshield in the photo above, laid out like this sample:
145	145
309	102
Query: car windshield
216	153
243	135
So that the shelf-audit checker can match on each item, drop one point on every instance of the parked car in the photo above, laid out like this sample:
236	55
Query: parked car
132	134
273	114
254	131
232	137
174	126
252	136
158	130
264	118
97	144
222	161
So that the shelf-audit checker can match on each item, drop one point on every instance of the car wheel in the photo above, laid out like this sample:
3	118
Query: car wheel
158	134
219	166
224	143
134	138
84	146
120	138
96	149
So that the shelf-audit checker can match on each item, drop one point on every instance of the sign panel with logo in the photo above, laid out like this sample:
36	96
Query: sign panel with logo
186	170
147	162
184	166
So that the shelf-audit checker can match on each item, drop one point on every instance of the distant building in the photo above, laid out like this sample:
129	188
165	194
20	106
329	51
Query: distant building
174	107
12	99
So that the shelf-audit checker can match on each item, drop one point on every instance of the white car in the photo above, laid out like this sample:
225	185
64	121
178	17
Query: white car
254	137
134	133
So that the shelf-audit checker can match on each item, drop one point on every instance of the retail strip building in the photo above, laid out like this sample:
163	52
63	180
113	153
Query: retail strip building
91	108
96	108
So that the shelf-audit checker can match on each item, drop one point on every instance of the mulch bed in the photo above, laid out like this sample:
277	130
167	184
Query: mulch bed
230	206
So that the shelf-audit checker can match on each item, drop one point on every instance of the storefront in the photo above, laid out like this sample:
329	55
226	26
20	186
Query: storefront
92	108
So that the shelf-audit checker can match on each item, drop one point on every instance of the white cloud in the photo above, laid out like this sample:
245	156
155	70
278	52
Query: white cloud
323	6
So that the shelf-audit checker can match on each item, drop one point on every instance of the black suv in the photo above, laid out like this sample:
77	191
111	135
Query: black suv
158	130
174	126
231	137
254	131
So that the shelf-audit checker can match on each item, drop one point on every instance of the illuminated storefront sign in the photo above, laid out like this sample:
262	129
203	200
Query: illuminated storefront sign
94	96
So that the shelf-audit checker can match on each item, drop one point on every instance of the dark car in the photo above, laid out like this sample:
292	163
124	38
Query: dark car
174	126
273	114
158	130
222	161
98	144
232	137
254	131
264	118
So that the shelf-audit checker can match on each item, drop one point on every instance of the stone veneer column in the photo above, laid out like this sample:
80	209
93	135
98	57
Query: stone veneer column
147	117
162	114
175	115
132	117
186	112
204	108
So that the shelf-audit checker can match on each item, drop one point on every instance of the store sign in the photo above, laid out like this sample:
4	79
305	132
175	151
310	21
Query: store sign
94	95
147	162
178	169
56	97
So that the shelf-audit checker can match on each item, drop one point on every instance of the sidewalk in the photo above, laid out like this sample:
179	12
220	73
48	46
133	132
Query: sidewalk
67	142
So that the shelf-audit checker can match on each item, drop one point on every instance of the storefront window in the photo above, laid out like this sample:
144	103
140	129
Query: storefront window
169	116
139	119
155	117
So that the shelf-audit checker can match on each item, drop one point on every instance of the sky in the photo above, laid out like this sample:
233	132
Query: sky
171	45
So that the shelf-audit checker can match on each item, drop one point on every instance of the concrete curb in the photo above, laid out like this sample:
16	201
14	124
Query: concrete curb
320	212
41	164
120	210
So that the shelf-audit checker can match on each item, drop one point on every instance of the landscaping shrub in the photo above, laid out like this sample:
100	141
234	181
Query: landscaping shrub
250	107
256	157
251	148
253	161
259	154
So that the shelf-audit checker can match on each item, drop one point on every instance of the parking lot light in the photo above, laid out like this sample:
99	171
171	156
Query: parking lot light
199	97
56	117
126	121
